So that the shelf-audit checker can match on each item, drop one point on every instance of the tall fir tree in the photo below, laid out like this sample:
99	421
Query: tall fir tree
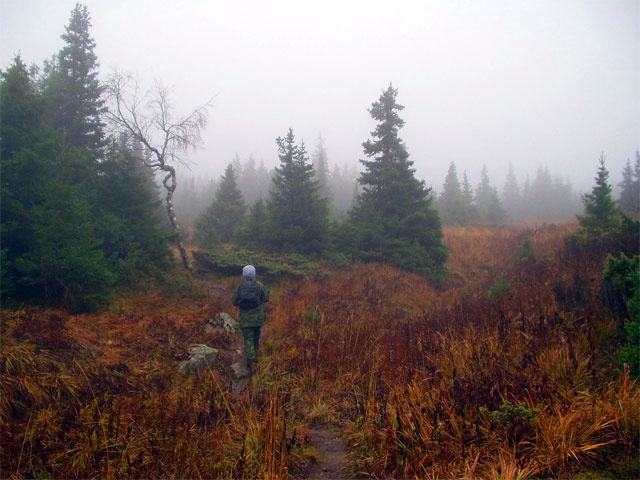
72	88
133	228
451	204
490	209
601	216
511	196
51	250
225	214
393	219
320	162
298	215
467	197
254	230
22	109
629	201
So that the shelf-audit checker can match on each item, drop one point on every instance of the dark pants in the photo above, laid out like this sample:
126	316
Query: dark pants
251	338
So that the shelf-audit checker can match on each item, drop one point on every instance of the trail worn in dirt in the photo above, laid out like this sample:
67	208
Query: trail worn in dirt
331	454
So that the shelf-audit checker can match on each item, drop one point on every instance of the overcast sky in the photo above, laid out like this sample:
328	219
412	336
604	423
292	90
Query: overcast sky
534	82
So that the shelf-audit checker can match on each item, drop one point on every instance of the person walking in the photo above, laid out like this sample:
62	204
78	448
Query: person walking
250	296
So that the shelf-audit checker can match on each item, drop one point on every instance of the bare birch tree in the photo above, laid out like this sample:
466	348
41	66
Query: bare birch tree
149	118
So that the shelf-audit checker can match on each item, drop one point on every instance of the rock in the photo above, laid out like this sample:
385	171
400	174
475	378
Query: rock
222	323
201	356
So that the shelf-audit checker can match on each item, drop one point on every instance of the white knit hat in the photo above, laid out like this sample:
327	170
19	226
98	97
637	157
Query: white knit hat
249	271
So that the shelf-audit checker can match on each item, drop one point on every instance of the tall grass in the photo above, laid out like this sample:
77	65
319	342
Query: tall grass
507	370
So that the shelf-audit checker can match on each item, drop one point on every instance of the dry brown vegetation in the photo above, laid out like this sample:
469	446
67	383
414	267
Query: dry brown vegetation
506	371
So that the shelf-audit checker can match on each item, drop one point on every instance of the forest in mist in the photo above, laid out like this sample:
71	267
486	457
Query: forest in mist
435	328
94	193
543	198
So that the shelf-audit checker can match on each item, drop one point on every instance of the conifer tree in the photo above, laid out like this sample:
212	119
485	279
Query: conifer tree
321	168
471	213
490	209
254	230
451	201
22	109
72	88
132	227
601	216
511	196
225	214
393	219
629	201
298	216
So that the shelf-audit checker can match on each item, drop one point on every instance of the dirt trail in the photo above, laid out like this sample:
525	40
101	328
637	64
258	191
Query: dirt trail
330	448
331	454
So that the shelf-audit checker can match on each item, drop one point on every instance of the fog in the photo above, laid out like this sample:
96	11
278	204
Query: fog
552	83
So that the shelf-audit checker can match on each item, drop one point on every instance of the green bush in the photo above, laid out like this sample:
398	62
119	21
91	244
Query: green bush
268	265
624	275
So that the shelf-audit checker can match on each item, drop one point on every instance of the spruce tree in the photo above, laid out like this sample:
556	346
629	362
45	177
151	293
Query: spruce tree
490	209
132	226
629	201
601	216
72	87
471	213
298	215
393	219
451	203
225	214
511	196
321	168
22	109
253	232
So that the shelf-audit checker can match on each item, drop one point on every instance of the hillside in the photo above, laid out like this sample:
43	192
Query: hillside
507	370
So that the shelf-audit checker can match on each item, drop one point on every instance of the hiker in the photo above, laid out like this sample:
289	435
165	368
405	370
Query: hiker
249	298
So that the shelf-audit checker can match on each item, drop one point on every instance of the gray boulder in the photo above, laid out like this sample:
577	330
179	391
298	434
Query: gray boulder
222	323
200	357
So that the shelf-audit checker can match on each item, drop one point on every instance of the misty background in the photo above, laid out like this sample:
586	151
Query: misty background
541	84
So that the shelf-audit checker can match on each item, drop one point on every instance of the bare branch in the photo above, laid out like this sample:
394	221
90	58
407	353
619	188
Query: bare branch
150	120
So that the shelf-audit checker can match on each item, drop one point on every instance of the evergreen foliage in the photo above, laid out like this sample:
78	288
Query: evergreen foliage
453	204
511	196
224	215
601	216
449	199
254	230
320	164
467	198
490	209
133	228
393	219
22	108
629	201
72	88
547	198
624	274
72	228
298	216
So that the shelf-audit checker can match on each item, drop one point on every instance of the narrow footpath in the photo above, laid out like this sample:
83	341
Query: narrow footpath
331	454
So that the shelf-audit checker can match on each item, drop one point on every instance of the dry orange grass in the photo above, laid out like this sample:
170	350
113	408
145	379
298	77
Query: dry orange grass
507	371
409	370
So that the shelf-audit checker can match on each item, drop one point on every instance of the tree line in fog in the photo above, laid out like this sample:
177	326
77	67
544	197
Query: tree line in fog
543	198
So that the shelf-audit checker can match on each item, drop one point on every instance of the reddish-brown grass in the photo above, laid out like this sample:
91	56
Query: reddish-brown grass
506	370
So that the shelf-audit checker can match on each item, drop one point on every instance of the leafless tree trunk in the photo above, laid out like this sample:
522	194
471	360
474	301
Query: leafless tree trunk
149	120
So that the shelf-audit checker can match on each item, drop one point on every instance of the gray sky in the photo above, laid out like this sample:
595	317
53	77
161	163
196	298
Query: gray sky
483	82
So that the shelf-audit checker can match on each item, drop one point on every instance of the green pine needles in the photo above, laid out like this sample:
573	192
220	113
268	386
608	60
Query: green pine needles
393	220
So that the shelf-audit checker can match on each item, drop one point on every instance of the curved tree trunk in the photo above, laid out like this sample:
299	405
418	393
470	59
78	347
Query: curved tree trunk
169	183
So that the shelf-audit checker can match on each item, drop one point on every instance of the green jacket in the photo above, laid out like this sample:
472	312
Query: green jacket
252	317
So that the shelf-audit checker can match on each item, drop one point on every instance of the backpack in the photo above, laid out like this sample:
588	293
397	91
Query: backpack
249	295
